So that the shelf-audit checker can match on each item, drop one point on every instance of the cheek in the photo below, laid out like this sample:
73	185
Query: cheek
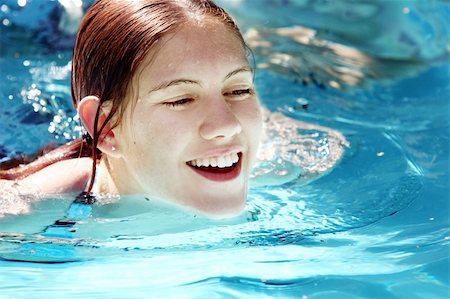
159	131
135	135
251	119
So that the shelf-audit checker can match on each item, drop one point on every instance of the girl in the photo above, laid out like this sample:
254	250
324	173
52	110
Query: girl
165	92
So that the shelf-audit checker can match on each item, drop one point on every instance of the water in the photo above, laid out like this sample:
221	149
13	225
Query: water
373	224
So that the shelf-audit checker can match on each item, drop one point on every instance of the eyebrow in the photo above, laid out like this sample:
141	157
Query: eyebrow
173	83
187	81
237	71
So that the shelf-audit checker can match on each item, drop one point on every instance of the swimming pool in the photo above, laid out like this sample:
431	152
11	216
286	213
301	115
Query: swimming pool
375	225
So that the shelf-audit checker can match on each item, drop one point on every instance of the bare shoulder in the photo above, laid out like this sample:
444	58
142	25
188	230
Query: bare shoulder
62	177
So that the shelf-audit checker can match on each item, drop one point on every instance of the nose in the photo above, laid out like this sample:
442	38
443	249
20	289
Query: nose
219	122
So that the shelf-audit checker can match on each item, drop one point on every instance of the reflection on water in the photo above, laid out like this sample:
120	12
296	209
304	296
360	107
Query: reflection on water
292	150
344	46
400	30
299	54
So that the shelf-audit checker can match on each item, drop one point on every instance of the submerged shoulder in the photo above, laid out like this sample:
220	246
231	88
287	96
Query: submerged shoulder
62	177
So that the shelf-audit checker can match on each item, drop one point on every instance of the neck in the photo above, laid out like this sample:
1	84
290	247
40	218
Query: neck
105	183
114	177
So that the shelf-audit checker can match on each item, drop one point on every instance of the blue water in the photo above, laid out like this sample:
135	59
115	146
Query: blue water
374	224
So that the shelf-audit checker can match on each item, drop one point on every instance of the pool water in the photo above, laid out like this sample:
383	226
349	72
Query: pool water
372	224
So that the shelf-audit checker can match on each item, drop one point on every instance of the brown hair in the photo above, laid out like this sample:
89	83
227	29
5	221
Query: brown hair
113	40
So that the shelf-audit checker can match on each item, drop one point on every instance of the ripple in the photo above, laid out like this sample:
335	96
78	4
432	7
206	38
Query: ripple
292	149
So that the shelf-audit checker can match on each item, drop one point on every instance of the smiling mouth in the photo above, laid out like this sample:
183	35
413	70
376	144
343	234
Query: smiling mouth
218	169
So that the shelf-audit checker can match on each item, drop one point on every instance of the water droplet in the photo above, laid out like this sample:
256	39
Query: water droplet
22	3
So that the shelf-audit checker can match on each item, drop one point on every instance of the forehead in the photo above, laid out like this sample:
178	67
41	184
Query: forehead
196	46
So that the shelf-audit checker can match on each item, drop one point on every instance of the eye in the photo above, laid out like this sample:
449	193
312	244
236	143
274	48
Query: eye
178	103
238	93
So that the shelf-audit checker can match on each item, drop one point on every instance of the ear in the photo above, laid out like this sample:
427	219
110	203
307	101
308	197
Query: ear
87	110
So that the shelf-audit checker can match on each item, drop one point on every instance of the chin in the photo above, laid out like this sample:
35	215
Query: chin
221	208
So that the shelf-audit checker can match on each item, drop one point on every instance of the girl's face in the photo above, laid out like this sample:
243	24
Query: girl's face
193	134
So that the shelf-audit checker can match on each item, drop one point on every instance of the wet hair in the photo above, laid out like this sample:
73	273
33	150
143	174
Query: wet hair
114	38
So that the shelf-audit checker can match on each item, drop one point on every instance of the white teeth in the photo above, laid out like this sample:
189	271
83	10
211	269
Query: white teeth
228	160
214	162
221	161
205	162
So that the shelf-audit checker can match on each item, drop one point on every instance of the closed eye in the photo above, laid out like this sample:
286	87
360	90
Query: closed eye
239	92
178	103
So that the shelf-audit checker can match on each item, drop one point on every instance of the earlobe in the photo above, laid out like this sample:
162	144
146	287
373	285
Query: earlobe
87	110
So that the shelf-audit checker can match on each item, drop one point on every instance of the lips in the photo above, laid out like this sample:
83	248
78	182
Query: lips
219	168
